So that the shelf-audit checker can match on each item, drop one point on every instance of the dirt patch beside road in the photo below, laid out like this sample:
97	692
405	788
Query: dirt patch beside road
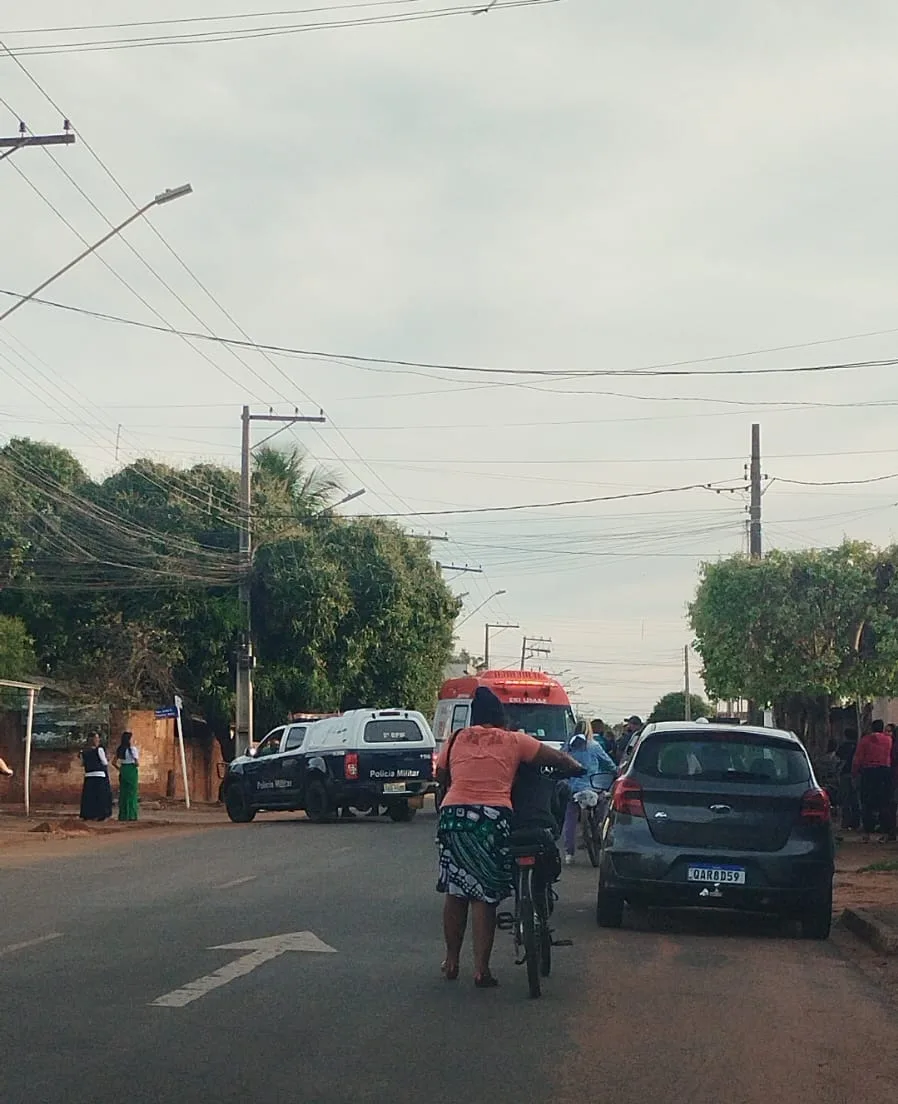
860	884
58	832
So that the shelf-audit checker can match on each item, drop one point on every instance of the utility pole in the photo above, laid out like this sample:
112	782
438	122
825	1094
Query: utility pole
534	646
13	145
246	660
754	517
754	511
687	699
486	639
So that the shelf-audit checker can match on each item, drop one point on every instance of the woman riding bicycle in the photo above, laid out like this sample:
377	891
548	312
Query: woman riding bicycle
591	755
480	764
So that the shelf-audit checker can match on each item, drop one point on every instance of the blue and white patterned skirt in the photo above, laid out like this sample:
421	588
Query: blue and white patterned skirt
474	859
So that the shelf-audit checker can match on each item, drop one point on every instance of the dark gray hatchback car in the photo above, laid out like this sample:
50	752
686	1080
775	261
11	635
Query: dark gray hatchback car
706	816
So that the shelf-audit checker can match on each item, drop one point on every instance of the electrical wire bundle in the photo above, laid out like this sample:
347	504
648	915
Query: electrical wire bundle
207	30
62	540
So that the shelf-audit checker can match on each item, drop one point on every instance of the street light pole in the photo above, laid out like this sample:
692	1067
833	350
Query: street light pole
164	197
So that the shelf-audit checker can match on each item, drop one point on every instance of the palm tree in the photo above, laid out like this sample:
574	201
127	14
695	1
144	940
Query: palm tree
286	485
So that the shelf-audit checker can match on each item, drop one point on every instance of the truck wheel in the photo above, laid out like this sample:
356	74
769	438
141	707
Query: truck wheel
235	804
401	813
318	804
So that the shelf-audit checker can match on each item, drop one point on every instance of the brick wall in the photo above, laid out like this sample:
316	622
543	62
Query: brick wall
56	775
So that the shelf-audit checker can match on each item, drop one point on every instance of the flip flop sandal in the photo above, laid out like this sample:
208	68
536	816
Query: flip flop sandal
449	975
485	981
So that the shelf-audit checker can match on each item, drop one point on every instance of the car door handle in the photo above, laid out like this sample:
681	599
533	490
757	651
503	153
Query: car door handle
721	808
661	815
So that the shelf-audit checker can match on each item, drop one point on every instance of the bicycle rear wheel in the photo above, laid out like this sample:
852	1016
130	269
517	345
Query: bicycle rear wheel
545	932
529	936
591	836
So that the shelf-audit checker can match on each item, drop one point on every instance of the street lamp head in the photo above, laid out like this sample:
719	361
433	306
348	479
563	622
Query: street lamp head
350	497
173	193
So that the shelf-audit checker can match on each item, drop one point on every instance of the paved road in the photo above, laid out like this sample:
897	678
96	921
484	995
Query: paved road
668	1010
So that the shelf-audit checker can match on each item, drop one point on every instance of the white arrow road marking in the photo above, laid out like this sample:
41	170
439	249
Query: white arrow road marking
261	951
13	947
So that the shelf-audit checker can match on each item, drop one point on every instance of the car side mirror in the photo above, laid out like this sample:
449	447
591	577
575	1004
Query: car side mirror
251	752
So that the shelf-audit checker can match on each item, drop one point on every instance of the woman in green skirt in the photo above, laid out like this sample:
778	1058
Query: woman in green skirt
126	761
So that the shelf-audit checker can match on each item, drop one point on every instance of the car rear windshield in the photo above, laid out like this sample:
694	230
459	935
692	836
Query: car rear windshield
392	732
722	758
554	723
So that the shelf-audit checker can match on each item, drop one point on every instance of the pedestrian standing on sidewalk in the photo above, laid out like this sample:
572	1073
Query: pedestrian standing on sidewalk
96	793
127	758
848	803
892	828
872	767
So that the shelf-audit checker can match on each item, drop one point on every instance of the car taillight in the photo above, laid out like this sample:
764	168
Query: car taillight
815	807
351	765
626	797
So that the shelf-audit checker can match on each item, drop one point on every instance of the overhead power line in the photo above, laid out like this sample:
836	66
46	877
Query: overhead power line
239	34
562	502
133	24
833	482
672	368
232	349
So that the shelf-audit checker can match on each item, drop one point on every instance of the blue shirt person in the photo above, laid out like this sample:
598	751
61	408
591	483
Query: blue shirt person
591	755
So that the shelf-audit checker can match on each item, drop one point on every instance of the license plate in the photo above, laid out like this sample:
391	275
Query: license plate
717	875
394	787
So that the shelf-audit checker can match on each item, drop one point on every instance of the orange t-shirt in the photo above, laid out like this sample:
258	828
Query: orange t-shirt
483	764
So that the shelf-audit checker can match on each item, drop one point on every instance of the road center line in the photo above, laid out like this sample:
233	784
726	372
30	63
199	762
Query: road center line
236	882
13	947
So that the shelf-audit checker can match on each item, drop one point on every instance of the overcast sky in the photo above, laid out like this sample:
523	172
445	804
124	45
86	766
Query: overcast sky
575	186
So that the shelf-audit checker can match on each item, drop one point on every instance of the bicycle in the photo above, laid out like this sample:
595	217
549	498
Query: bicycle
536	865
593	805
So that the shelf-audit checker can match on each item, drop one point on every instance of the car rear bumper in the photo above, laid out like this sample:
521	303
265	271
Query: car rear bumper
664	895
367	793
774	883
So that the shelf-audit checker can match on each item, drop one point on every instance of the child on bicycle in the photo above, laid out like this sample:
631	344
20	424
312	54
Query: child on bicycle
592	756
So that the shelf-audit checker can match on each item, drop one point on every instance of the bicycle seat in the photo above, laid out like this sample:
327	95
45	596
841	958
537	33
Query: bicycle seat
531	839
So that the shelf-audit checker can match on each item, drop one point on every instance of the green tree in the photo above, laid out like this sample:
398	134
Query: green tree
129	587
288	491
350	613
672	707
799	629
17	659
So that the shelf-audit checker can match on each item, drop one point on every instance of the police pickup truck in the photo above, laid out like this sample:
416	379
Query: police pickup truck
366	759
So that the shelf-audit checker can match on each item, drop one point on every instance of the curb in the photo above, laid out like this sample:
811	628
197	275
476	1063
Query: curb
881	937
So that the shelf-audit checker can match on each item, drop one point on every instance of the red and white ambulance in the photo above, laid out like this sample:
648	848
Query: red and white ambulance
534	702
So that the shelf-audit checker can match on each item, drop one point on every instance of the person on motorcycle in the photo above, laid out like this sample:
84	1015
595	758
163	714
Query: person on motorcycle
590	754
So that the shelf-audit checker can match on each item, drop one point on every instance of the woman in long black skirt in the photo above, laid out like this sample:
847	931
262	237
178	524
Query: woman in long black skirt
96	793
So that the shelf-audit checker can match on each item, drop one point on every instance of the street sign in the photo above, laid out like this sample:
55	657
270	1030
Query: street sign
261	951
166	711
